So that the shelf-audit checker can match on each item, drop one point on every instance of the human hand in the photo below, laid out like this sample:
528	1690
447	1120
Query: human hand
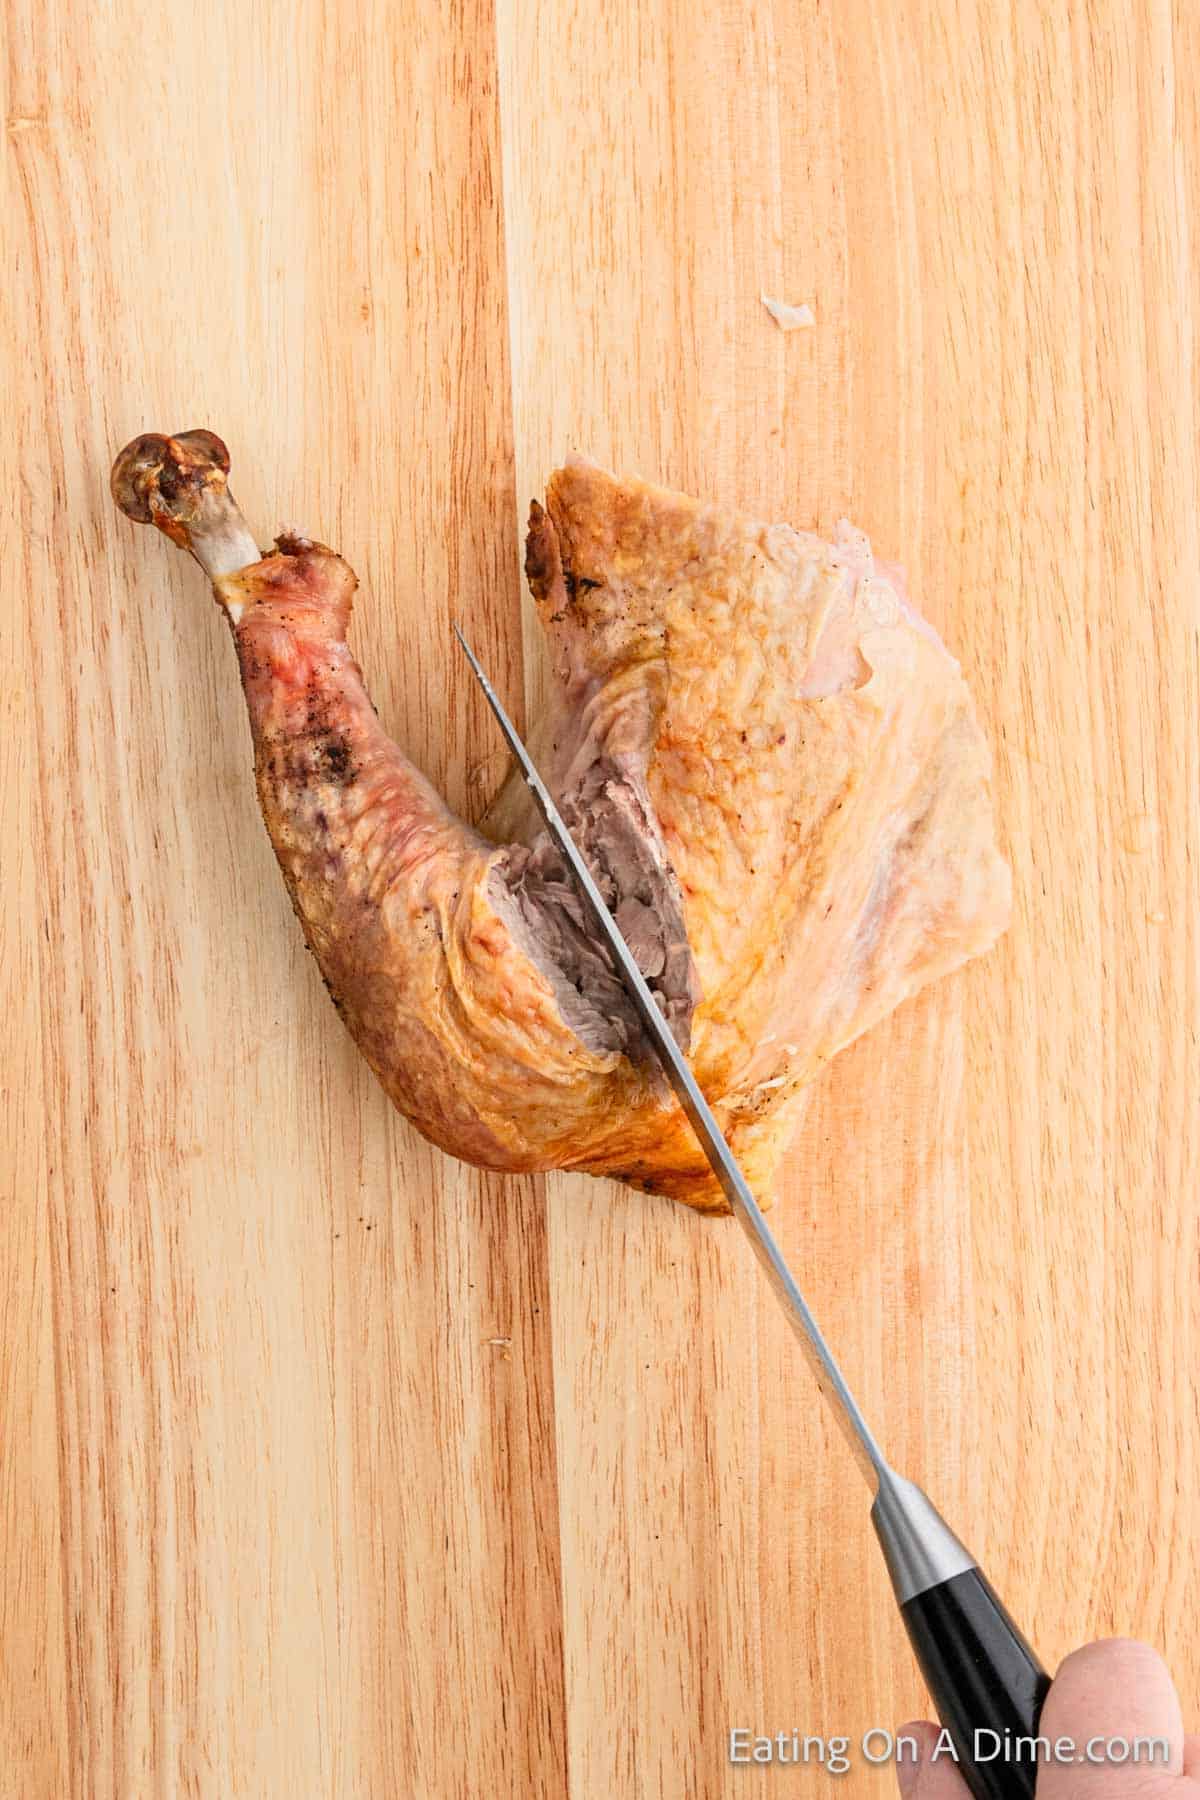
1111	1691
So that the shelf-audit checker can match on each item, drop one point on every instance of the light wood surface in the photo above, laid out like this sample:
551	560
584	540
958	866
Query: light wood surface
328	1466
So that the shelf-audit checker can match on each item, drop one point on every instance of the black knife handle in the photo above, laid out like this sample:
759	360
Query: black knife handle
985	1681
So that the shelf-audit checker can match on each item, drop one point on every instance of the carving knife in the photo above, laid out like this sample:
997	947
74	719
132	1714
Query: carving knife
986	1683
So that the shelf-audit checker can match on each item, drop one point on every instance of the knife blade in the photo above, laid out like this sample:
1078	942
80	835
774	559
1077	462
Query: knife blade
981	1672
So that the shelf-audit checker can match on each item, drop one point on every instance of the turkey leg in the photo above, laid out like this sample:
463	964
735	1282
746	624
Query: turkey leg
463	969
770	763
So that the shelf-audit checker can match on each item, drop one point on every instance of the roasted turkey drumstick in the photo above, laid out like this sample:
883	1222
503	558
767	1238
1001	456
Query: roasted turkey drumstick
771	764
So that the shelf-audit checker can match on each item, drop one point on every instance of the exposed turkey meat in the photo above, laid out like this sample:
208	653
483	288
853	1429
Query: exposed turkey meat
770	762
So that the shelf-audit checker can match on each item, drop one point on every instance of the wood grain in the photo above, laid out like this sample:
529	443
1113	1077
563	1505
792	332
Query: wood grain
328	1466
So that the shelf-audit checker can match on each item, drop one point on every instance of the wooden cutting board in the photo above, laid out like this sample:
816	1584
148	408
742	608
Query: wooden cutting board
331	1467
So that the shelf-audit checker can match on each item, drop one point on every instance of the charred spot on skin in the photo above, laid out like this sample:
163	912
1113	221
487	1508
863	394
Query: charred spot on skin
339	1005
329	755
540	558
336	760
578	584
316	754
293	543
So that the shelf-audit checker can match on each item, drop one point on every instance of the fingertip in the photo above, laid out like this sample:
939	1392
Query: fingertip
1191	1755
1118	1666
908	1767
1130	1656
1116	1687
923	1730
919	1777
